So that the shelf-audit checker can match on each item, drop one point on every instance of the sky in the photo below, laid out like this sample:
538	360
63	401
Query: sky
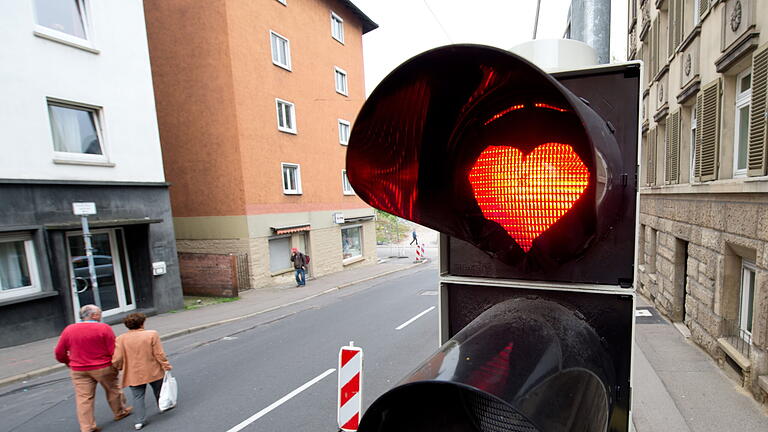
410	27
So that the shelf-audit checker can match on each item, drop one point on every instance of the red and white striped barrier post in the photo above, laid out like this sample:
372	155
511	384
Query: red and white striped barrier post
418	254
350	387
423	255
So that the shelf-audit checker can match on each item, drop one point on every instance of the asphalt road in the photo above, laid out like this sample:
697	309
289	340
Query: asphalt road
243	372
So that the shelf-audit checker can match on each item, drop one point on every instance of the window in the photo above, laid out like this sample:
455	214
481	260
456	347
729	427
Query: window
286	116
345	186
281	50
285	2
337	27
64	21
351	242
693	145
18	268
741	125
279	254
746	299
344	127
341	81
695	12
291	179
76	131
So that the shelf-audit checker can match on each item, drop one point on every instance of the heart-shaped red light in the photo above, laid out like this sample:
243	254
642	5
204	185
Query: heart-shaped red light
527	194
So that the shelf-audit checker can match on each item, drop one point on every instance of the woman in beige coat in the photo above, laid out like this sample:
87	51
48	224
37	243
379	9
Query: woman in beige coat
140	356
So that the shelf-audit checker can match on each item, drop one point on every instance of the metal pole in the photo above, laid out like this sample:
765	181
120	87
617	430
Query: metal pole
91	266
591	24
536	22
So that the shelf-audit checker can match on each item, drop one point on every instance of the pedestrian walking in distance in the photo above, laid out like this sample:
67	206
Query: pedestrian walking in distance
86	348
415	239
140	356
299	261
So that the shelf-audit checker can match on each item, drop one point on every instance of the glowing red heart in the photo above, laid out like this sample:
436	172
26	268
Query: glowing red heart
527	194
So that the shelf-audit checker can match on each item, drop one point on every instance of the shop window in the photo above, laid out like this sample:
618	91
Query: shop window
352	242
18	266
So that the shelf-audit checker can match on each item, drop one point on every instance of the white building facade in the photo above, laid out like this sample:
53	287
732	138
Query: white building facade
78	124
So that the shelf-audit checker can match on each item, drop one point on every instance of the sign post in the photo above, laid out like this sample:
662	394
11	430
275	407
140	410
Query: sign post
84	209
350	387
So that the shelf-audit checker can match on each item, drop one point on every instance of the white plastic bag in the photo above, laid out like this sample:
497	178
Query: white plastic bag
168	393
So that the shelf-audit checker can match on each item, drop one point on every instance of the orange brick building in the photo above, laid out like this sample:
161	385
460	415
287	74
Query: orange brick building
255	103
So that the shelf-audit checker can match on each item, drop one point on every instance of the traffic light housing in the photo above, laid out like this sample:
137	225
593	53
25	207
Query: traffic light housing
532	181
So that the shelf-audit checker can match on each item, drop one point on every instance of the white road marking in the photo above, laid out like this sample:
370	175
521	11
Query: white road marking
402	326
643	313
281	401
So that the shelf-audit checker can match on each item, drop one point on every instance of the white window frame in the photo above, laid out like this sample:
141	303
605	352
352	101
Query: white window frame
281	116
297	172
34	276
275	36
283	2
748	274
743	99
340	73
346	186
334	20
345	129
693	145
97	112
85	44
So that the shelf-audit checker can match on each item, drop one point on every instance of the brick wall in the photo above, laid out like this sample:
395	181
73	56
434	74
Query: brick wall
208	274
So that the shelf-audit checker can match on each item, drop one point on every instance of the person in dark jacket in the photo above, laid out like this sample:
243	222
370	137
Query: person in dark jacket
86	348
299	261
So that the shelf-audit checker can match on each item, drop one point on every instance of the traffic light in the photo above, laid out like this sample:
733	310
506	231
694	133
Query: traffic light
532	181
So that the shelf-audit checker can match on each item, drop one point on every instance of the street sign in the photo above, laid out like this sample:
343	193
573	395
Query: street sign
84	208
350	387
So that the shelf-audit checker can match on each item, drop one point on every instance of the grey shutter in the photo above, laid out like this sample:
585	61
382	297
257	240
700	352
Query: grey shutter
756	156
709	123
671	28
703	6
650	172
672	150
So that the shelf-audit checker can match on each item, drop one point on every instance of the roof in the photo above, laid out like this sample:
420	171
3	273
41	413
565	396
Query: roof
368	23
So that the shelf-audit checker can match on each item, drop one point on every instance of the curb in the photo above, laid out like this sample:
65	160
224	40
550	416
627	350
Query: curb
55	368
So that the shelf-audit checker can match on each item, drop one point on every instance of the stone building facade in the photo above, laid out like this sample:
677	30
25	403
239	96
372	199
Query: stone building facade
256	103
703	257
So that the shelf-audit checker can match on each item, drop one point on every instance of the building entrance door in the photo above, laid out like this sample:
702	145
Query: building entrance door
112	272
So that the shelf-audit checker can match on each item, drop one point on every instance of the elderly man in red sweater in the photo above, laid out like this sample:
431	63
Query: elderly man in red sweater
86	348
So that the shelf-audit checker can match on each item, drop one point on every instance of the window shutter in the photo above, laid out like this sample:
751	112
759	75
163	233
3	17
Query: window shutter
672	150
709	124
679	20
652	52
756	156
671	29
650	172
703	6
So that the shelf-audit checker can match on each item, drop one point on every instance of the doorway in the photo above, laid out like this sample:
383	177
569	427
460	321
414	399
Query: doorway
112	269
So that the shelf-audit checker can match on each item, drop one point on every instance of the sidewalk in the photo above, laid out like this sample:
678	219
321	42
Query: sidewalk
679	388
23	362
